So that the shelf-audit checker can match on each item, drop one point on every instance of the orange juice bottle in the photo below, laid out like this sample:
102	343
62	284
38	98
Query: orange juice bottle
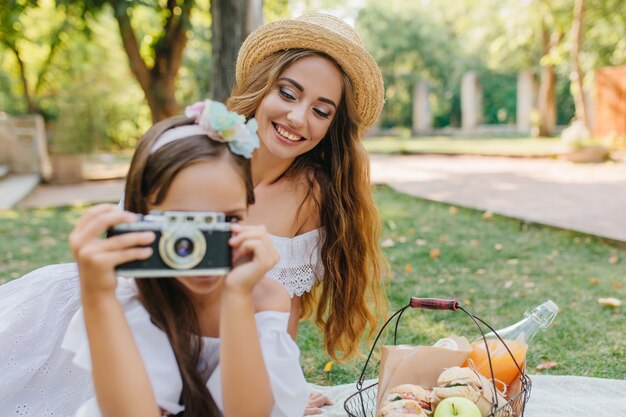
504	369
517	337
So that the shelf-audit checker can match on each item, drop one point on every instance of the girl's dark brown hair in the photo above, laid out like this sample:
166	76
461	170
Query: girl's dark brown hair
338	167
167	301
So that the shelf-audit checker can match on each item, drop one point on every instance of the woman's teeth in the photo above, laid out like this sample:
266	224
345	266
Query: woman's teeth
287	135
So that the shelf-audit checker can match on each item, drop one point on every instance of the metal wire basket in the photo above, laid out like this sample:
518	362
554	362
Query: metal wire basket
363	402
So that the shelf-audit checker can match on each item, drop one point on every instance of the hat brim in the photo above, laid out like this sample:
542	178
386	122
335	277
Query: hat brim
353	58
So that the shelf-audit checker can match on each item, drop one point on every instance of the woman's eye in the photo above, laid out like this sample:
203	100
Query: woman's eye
286	93
233	219
322	113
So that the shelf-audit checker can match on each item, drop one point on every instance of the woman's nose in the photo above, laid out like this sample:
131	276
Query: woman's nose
296	116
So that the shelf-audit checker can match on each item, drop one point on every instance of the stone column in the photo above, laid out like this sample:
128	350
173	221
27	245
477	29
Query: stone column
526	96
471	102
422	113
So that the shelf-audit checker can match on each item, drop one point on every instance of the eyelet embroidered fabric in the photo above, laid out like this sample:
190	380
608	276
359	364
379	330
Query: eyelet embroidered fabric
300	261
37	377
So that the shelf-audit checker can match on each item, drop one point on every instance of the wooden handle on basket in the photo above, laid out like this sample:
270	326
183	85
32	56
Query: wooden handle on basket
434	304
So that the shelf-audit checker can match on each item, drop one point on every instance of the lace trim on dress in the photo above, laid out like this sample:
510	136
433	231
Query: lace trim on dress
300	261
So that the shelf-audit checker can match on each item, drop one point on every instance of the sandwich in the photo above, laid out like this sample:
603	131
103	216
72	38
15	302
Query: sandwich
401	408
465	382
411	392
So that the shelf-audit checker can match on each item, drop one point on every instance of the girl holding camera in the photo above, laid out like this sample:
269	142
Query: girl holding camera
203	344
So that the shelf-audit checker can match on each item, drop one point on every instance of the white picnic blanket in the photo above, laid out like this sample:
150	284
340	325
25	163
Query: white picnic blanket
550	396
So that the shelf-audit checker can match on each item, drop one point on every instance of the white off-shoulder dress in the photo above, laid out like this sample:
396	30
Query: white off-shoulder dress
43	370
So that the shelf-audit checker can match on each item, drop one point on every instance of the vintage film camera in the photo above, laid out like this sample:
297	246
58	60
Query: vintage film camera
187	244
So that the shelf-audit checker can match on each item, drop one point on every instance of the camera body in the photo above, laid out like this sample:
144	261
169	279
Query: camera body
187	244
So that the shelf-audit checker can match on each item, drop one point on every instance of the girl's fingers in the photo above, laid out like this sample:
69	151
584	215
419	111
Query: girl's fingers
94	212
118	257
128	240
98	225
317	399
262	253
253	233
127	255
241	230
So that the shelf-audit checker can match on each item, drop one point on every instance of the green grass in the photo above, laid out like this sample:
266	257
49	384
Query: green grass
533	264
497	146
34	238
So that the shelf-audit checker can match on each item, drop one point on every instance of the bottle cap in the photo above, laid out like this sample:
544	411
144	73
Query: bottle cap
544	314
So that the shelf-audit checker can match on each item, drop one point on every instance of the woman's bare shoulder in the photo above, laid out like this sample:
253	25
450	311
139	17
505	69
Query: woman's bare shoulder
271	295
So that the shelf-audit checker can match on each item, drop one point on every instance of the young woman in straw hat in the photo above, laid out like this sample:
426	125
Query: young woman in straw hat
314	91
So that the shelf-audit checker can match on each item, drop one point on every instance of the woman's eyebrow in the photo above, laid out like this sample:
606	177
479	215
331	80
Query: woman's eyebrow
299	87
328	101
295	83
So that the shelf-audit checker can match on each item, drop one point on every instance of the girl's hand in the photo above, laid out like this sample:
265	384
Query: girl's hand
96	257
316	401
253	255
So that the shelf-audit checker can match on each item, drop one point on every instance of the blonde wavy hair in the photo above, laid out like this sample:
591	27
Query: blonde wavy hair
349	299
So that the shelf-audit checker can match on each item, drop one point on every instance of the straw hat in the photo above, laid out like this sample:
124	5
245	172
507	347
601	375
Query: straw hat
327	34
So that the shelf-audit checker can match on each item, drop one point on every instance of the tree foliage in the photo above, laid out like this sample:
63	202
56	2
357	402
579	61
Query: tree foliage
33	45
155	58
432	40
409	45
106	68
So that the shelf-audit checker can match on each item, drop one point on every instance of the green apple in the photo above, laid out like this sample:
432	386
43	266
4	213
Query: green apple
457	407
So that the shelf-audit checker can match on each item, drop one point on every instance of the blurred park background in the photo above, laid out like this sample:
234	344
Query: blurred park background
100	72
81	80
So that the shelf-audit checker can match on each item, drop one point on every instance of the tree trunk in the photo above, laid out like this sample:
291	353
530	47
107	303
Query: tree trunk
30	103
577	76
546	100
228	33
161	98
159	82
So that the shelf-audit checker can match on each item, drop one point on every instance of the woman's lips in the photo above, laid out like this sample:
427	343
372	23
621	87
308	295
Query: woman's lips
284	139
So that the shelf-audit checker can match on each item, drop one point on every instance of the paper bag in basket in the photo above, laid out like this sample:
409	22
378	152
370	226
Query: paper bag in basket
419	365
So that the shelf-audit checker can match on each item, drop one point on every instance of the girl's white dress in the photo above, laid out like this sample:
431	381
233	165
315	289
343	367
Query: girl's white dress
44	356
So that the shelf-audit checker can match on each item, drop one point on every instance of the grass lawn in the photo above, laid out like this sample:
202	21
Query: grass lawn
505	146
498	268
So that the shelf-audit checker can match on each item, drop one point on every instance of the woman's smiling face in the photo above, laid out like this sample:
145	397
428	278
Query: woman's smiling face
298	111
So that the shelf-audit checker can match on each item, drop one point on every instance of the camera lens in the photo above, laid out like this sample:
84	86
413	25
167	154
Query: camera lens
183	247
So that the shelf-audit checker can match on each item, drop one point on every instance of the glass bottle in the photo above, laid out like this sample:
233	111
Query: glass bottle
517	337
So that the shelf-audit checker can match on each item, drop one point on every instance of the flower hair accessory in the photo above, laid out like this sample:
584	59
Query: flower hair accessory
214	120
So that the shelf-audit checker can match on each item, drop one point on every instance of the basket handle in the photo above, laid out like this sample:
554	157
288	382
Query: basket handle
434	303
